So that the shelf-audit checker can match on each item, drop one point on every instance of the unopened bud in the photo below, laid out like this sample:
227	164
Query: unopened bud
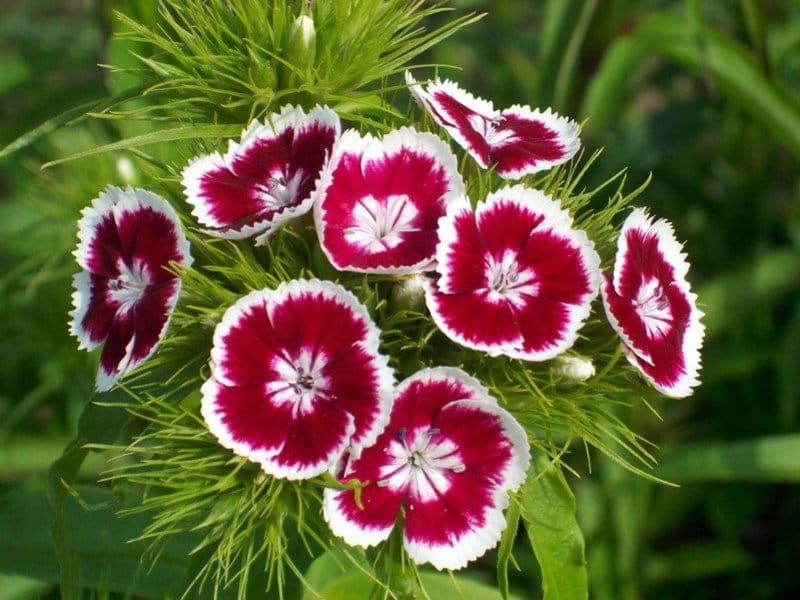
575	368
408	294
126	170
301	42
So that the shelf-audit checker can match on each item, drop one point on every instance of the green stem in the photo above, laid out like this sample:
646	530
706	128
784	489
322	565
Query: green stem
610	364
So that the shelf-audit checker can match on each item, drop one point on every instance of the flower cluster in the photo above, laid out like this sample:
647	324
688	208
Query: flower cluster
297	381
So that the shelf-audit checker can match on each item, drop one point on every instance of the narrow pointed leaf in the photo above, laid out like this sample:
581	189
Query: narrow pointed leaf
185	132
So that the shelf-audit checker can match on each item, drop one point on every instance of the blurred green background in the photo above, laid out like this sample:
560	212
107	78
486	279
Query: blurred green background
703	95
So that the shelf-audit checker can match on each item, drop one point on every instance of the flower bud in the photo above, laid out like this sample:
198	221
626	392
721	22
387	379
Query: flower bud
127	171
300	46
575	368
408	294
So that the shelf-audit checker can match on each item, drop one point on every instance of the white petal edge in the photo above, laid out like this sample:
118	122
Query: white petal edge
350	531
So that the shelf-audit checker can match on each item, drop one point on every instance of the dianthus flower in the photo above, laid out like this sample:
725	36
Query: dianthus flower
650	305
264	179
446	462
296	378
516	140
379	200
514	277
129	242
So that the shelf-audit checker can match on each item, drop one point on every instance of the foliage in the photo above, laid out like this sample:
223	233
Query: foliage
703	95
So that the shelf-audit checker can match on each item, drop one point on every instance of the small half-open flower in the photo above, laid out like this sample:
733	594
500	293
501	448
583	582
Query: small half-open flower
650	305
379	201
129	243
516	140
296	378
446	461
515	277
264	179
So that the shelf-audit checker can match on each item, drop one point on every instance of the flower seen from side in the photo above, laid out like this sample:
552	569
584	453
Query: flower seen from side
129	242
514	277
516	140
650	305
447	461
379	201
296	378
264	179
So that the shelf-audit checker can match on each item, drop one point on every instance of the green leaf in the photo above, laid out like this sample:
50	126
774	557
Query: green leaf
548	512
767	278
185	132
335	576
611	81
97	424
23	588
732	68
765	459
696	561
99	543
69	117
558	20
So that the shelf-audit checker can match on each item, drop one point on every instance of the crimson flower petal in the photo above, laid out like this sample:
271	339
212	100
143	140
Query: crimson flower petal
264	179
379	201
127	241
517	140
650	305
515	277
449	456
296	378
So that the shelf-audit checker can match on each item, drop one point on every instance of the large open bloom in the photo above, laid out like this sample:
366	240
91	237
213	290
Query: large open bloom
650	305
129	242
264	179
515	277
379	200
296	378
517	140
448	459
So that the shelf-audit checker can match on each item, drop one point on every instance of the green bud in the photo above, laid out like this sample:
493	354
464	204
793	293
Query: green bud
300	47
301	43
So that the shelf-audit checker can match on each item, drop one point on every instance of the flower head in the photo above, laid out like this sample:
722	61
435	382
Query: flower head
650	305
123	298
296	378
517	140
379	200
264	179
515	277
449	457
